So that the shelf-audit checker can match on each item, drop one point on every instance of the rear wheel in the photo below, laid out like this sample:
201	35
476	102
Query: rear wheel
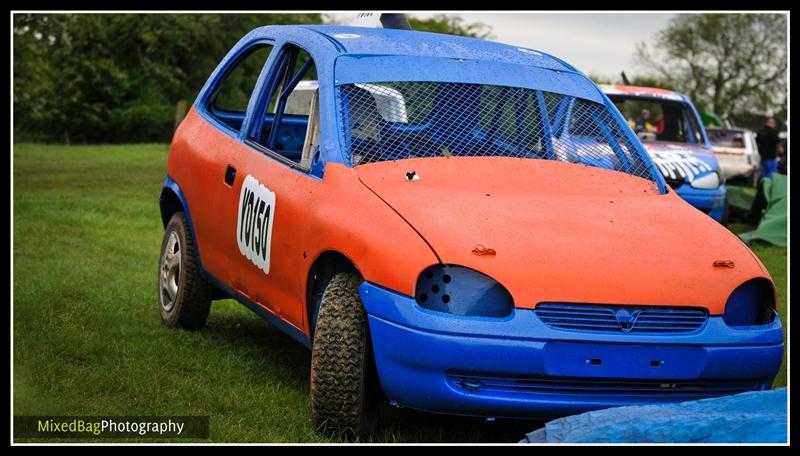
184	297
344	388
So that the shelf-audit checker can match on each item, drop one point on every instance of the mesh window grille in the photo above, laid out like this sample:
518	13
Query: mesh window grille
397	120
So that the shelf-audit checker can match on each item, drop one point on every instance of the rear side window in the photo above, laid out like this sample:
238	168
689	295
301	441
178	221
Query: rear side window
230	97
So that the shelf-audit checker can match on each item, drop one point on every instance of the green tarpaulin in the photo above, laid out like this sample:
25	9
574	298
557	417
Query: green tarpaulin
739	199
772	227
709	118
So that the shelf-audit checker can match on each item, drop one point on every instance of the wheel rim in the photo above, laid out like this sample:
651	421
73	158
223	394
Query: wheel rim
170	271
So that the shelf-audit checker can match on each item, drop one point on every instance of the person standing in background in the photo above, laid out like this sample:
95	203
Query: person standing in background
767	141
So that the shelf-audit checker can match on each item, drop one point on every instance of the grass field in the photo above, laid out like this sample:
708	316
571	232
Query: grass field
87	336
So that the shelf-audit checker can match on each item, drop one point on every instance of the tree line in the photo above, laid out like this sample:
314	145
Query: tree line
115	78
733	65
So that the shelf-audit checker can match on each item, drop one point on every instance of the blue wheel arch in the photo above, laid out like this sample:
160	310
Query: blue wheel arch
170	193
327	264
172	200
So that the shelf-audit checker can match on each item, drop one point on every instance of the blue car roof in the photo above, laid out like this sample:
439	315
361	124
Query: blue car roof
377	41
350	55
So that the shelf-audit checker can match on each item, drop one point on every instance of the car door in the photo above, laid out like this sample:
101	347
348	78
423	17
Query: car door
274	186
210	140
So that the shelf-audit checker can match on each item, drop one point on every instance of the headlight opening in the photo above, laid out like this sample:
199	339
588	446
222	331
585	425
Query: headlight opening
751	303
462	291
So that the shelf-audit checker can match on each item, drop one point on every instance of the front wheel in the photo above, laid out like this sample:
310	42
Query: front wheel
184	297
344	386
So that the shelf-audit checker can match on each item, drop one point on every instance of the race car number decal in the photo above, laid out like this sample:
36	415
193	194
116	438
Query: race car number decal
679	165
254	225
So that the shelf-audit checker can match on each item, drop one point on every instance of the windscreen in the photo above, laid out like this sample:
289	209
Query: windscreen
658	119
398	120
726	138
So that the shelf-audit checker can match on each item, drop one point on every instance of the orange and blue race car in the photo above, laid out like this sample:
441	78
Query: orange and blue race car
673	134
452	225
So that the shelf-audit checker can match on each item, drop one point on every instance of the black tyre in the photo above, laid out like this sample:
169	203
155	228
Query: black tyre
184	297
345	394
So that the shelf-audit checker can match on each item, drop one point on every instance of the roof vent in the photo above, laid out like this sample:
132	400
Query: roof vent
382	20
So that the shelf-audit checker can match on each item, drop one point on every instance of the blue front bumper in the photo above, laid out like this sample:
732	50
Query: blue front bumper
710	201
519	367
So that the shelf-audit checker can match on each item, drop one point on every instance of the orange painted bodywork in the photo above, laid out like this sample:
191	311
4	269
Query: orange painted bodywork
566	233
560	232
311	216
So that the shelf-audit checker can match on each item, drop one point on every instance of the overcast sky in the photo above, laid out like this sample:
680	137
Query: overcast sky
597	43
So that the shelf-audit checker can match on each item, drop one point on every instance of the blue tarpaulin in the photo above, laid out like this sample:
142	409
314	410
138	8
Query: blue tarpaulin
752	417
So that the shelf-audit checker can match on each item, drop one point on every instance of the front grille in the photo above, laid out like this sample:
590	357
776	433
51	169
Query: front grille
476	383
621	319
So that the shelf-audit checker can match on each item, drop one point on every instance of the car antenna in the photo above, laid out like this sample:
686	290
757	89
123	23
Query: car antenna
382	20
625	79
